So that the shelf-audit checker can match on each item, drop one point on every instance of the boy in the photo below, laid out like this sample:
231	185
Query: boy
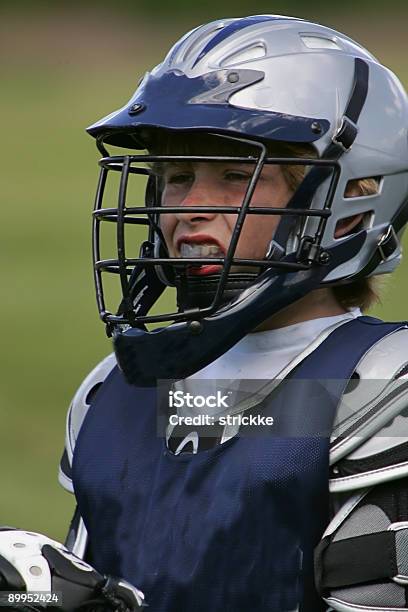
216	520
278	178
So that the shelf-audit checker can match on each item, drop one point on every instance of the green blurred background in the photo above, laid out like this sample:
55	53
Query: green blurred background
62	67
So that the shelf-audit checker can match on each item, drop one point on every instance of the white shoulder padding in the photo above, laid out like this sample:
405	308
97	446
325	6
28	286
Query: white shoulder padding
369	442
78	409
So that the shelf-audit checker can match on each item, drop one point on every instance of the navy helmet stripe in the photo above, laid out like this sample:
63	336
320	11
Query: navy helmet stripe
233	27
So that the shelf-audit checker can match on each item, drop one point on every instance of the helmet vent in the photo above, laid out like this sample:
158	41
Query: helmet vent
319	42
364	187
199	42
246	54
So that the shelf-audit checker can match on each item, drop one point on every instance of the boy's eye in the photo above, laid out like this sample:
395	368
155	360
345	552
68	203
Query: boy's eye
237	176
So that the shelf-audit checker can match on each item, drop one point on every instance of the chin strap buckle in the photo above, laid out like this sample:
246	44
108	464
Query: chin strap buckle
309	252
388	243
346	134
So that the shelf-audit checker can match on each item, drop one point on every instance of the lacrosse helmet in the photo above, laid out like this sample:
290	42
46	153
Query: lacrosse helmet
250	82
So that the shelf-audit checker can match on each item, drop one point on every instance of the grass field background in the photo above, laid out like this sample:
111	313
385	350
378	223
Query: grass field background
61	71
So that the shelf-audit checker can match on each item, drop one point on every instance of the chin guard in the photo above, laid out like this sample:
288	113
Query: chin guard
199	292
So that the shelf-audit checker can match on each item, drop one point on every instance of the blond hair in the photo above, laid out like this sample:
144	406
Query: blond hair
364	292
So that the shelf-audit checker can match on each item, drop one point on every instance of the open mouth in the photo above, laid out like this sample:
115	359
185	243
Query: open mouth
206	250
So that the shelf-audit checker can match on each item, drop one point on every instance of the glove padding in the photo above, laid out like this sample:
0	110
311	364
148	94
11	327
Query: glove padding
31	562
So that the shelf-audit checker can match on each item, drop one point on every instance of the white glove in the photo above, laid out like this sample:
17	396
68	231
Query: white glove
32	563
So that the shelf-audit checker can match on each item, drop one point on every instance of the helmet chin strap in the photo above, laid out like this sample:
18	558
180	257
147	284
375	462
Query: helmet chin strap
200	291
181	349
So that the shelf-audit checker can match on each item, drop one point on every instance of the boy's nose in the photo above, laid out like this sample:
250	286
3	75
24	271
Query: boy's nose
200	194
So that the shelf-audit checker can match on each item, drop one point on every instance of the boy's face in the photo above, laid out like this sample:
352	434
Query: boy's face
219	184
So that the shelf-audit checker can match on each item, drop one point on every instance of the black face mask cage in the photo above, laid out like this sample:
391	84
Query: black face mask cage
131	271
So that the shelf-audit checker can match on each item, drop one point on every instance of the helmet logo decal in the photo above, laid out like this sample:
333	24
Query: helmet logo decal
221	85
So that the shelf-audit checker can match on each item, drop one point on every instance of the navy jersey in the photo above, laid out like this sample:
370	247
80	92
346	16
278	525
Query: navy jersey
231	528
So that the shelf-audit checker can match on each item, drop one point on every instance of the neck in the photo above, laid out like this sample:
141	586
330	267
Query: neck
317	304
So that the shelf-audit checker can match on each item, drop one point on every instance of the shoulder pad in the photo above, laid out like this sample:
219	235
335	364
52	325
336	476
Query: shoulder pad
361	561
369	442
77	412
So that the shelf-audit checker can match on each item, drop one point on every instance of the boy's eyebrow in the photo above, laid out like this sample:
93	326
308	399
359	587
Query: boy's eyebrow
159	168
175	164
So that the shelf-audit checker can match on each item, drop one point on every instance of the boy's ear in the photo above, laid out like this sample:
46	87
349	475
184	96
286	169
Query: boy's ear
345	226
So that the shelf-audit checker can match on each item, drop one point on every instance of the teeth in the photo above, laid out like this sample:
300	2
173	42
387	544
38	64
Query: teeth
200	250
